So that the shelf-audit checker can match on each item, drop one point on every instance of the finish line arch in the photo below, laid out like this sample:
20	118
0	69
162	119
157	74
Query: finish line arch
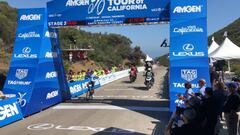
36	73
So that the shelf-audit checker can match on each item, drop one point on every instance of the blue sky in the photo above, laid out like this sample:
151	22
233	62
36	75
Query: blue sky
149	37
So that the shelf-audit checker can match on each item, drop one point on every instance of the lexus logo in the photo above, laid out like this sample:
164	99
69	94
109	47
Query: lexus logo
188	47
26	50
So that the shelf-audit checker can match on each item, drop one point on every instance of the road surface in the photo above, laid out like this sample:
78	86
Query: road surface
117	108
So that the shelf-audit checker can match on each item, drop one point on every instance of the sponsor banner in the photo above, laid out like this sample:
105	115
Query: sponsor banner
100	12
24	63
48	82
188	48
188	9
105	79
188	28
78	88
45	96
20	81
9	111
180	75
30	17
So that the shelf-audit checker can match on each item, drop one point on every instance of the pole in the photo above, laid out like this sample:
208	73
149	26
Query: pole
229	66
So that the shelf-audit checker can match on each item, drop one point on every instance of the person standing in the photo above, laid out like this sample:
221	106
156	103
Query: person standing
202	86
209	112
231	109
2	96
189	92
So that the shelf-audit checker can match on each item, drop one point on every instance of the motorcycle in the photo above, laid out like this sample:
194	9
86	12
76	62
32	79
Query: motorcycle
149	80
132	76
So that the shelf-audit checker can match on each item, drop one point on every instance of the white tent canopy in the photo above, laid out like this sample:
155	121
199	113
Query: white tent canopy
227	51
213	47
148	58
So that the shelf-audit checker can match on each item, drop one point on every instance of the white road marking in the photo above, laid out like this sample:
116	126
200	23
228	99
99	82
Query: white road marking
130	97
108	107
47	126
120	89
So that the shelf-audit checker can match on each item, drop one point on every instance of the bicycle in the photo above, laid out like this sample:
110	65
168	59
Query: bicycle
99	4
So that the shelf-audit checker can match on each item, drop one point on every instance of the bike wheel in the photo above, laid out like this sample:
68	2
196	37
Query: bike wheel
148	86
87	95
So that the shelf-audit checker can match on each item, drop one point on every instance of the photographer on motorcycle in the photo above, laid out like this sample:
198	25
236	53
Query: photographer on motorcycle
149	77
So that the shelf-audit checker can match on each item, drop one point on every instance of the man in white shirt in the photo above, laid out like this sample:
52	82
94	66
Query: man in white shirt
202	86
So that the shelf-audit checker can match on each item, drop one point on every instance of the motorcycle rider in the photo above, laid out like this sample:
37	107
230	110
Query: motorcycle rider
149	73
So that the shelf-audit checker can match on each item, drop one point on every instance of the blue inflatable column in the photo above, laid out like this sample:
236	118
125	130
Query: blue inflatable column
188	51
36	73
24	63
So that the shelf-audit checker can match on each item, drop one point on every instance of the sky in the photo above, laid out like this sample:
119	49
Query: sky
149	37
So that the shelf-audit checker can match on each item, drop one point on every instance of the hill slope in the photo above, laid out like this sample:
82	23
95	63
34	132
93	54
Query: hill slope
109	49
233	31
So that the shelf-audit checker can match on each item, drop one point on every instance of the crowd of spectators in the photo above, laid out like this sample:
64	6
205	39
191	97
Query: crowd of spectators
201	112
83	74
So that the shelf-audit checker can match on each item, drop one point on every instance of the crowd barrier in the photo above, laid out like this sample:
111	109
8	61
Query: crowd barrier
10	111
80	87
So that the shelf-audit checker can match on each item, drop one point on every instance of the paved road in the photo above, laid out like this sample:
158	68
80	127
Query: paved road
118	108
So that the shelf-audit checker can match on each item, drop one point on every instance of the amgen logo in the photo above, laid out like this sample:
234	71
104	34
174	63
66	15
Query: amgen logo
73	3
76	88
8	111
51	75
51	55
51	34
31	17
52	94
188	9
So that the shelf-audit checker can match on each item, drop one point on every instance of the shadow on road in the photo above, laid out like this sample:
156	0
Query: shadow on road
118	131
126	82
141	88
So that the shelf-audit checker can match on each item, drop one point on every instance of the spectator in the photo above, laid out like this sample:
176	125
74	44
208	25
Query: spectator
2	96
237	81
188	128
219	95
189	92
209	112
202	86
70	56
213	75
231	107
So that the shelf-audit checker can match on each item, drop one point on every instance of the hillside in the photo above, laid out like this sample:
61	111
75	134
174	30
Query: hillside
233	31
109	49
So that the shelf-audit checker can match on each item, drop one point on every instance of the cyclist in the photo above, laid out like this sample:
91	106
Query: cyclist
91	84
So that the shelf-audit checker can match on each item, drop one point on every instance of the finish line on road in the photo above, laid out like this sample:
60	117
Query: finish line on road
107	107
